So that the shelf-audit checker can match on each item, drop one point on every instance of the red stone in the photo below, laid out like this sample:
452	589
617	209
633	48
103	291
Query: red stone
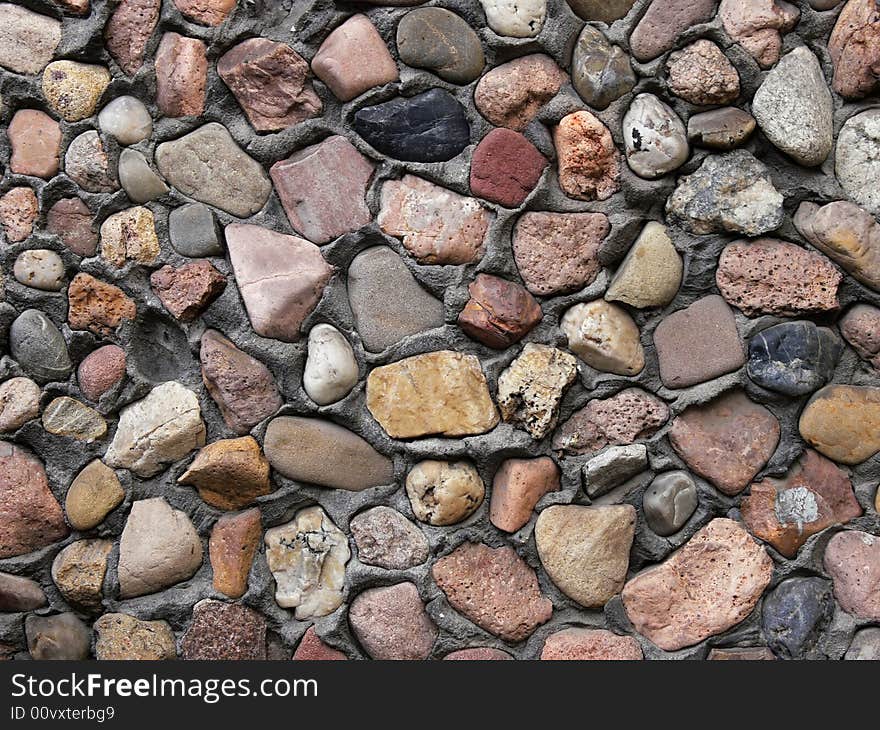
71	220
128	32
18	211
477	654
96	305
206	12
224	631
312	649
852	558
499	312
181	76
189	290
100	371
854	47
505	168
516	489
391	623
590	645
36	143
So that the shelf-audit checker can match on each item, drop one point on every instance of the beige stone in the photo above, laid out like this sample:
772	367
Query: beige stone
78	571
444	492
650	274
73	89
124	637
66	416
229	473
93	494
605	337
130	236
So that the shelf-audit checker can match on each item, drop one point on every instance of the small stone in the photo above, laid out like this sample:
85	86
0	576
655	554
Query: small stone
192	229
159	547
68	417
728	192
698	343
323	189
744	654
224	632
515	19
35	139
311	648
74	89
669	502
794	358
307	557
605	11
428	127
331	369
605	337
847	234
18	211
93	494
494	588
613	467
442	42
232	547
600	73
701	74
390	622
478	653
281	278
812	496
444	492
721	129
181	76
499	313
531	388
624	418
655	138
354	58
707	586
188	291
38	346
590	645
437	226
126	119
78	572
19	403
794	614
87	164
96	305
229	473
726	441
71	220
843	422
857	159
30	516
130	236
140	182
270	82
512	93
385	538
860	327
320	452
207	165
758	25
206	12
650	274
589	163
60	637
129	30
505	168
379	274
27	40
663	23
19	594
854	47
157	430
441	393
557	253
852	559
40	269
585	550
865	645
123	637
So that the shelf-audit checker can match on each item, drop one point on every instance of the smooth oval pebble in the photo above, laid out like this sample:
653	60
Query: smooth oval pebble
127	119
40	269
441	41
19	403
843	422
331	369
39	347
600	72
605	337
93	494
138	179
655	138
794	358
669	502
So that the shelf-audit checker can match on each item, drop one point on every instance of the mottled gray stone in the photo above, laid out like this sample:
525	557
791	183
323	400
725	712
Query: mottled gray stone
193	231
669	502
613	467
39	347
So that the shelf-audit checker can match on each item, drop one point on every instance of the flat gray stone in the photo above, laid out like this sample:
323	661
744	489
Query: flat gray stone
193	231
138	179
39	347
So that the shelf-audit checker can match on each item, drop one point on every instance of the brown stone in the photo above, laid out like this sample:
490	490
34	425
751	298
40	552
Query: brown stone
701	74
721	129
101	370
36	144
78	572
812	496
71	220
758	25
516	489
386	538
189	290
313	649
62	636
852	559
590	645
854	47
505	168
499	312
558	253
748	654
18	211
232	547
124	637
223	632
75	7
511	94
93	494
629	416
390	622
96	305
727	441
30	516
270	82
128	32
181	76
589	163
229	473
709	585
843	422
494	588
663	23
478	654
241	386
206	12
861	329
18	593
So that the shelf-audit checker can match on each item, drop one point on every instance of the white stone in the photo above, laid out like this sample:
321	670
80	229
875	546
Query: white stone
857	161
307	557
655	138
605	337
331	369
444	492
40	269
613	467
126	119
157	430
515	18
138	179
19	403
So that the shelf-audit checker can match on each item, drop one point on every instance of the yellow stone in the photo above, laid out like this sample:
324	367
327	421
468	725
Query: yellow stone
74	89
66	416
130	236
843	422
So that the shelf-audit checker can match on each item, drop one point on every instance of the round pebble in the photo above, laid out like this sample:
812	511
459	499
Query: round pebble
669	502
127	119
444	493
40	269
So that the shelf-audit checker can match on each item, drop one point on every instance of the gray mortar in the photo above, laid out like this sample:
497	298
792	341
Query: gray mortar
639	200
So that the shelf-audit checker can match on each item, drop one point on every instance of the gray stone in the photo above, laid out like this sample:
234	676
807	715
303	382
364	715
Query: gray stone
39	347
605	11
600	72
794	358
385	538
127	119
86	163
60	637
794	614
138	179
865	645
721	129
655	138
857	160
669	502
193	231
613	467
441	41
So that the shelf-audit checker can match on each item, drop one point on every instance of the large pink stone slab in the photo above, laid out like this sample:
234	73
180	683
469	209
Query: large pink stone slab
852	558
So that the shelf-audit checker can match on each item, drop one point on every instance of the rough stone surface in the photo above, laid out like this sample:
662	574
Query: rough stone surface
505	168
73	89
843	422
390	622
794	358
78	572
664	21
71	220
650	274
588	161
87	163
516	489
19	403
605	337
856	162
860	327
794	614
229	473
189	290
181	75
68	417
478	653
852	559
129	30
385	538
35	139
613	467
224	632
130	236
18	211
27	39
97	306
865	645
206	12
93	494
854	46
701	74
233	544
123	637
444	493
312	648
499	313
590	645
758	26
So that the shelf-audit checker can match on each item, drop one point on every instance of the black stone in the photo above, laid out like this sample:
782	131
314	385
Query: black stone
160	351
794	614
794	358
429	127
39	347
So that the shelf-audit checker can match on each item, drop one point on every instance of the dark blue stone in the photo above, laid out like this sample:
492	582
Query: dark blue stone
429	127
794	615
794	358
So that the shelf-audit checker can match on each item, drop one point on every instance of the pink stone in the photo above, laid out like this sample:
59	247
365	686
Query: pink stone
206	12
477	654
516	489
852	558
861	329
505	168
100	370
663	23
588	161
189	290
36	144
758	25
391	623
181	76
18	211
590	645
71	220
129	30
311	648
323	189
